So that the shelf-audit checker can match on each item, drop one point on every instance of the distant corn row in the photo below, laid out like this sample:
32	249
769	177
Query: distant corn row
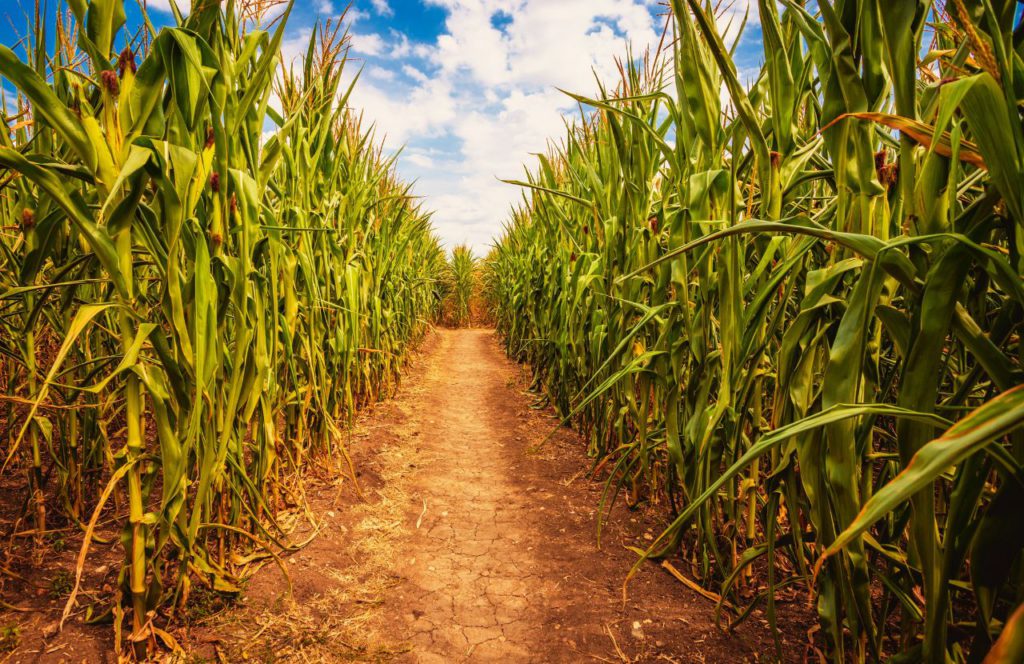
794	312
188	307
460	287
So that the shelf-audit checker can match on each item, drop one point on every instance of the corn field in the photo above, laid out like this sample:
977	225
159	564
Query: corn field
191	305
788	306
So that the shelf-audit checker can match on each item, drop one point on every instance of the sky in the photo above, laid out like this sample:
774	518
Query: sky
468	89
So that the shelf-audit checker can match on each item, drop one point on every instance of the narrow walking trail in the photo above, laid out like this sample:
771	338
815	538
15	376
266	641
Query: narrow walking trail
479	578
473	545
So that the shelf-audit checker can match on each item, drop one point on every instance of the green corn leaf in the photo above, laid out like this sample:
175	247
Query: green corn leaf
996	418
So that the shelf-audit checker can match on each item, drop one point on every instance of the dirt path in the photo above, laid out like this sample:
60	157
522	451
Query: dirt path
473	547
476	579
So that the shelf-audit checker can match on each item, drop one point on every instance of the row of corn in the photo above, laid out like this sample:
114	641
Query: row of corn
788	305
460	287
206	265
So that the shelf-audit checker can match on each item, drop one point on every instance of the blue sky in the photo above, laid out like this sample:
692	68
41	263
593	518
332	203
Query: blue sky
468	87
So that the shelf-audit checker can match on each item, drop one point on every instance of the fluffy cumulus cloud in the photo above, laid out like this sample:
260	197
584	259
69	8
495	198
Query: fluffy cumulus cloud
382	7
472	98
473	103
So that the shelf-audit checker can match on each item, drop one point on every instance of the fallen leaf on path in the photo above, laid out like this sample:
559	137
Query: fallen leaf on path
419	521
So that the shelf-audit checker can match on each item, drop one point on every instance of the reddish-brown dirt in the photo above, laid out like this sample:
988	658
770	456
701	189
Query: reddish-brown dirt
504	564
469	544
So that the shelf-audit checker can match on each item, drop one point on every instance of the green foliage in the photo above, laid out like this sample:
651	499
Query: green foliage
190	307
460	287
61	584
10	637
796	314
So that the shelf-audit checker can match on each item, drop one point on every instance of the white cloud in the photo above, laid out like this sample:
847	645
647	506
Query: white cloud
382	7
355	15
544	43
368	44
165	5
381	74
419	158
421	112
478	102
414	73
487	95
394	46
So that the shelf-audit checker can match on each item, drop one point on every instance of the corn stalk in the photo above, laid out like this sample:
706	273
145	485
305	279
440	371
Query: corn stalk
791	310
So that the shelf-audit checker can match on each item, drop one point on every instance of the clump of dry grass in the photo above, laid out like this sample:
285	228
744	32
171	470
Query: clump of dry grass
343	622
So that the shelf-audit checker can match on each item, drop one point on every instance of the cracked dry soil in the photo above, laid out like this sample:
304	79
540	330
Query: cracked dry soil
473	546
480	578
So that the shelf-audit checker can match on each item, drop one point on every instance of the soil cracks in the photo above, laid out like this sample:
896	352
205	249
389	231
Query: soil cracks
477	580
